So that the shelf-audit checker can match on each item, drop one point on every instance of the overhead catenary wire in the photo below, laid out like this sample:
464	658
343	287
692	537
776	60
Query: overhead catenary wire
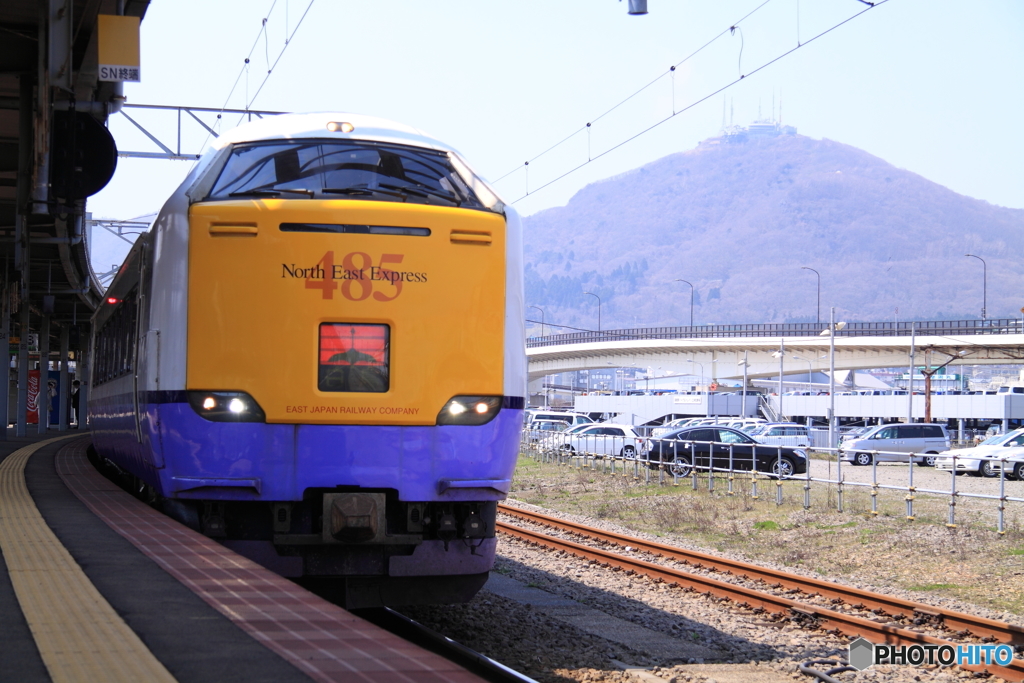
248	58
742	76
244	69
287	42
672	70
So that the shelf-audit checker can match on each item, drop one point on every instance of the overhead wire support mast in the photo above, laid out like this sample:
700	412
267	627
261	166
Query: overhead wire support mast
165	145
684	109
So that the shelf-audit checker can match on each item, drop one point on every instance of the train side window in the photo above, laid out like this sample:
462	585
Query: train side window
115	342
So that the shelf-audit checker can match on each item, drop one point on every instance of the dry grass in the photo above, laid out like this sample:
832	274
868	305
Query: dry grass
970	562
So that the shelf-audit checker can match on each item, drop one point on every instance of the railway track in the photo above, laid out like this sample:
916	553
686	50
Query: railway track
961	624
428	639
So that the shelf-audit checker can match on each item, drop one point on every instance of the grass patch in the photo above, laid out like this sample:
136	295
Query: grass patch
753	523
847	525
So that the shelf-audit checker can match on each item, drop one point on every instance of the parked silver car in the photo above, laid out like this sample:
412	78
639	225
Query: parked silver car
1013	464
896	443
984	459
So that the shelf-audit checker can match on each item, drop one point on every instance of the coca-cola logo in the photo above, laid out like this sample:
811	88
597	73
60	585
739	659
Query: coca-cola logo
33	393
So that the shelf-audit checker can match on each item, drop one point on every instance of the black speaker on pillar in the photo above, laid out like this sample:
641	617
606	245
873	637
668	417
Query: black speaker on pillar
83	156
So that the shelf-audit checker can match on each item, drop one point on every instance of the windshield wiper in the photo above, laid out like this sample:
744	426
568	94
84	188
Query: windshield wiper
362	190
424	192
271	193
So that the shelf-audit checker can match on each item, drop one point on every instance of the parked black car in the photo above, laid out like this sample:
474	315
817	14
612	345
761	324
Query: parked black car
723	448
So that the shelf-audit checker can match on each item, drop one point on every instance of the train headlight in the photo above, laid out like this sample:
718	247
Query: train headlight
226	406
469	410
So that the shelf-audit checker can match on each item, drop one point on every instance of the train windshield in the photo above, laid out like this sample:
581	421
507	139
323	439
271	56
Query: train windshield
343	170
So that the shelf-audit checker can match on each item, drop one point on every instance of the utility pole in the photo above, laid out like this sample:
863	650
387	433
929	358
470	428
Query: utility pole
928	380
928	372
832	377
910	394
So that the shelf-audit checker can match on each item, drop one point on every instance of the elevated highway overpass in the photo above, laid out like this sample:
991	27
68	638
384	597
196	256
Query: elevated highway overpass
720	349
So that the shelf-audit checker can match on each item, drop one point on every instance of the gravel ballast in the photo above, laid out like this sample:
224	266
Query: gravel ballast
571	620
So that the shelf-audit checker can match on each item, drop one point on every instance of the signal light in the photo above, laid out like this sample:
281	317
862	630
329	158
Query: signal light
113	300
469	410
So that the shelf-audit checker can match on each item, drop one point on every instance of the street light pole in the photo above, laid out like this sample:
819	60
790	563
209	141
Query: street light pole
809	364
817	315
833	326
984	285
541	319
910	397
780	354
598	310
691	298
832	377
743	394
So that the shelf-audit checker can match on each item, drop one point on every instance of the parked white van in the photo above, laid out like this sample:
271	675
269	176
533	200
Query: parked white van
896	443
570	419
782	434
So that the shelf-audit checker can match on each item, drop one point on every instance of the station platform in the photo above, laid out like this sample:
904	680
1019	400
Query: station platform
97	586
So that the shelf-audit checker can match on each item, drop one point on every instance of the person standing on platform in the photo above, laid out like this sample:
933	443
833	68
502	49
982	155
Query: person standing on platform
74	400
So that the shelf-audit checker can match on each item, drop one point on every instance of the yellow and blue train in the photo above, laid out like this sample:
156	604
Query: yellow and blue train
316	355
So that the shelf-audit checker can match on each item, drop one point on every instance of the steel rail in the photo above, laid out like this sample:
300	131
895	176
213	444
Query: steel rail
418	634
953	620
824	618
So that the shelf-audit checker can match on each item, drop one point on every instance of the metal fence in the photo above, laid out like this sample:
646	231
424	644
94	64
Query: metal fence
957	438
730	466
865	329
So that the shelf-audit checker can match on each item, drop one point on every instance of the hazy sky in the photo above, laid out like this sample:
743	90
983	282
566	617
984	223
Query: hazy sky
933	86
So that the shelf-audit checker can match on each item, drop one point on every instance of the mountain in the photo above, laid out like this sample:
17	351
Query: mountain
739	215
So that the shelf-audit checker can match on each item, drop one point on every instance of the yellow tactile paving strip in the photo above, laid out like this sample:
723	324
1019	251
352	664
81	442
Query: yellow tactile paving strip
79	635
